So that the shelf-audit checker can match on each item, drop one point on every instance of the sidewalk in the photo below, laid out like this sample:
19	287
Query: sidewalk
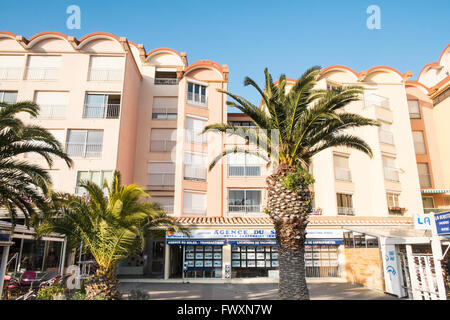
248	291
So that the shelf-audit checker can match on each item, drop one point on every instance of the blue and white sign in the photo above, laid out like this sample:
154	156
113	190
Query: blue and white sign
422	221
204	242
442	223
251	237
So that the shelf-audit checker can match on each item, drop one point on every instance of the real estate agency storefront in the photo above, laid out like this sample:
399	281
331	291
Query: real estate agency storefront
225	248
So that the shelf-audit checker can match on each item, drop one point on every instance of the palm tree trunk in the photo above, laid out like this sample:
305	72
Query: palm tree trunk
103	285
289	210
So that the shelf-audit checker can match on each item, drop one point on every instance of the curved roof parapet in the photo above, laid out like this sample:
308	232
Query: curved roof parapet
417	84
438	64
208	64
7	34
154	52
338	68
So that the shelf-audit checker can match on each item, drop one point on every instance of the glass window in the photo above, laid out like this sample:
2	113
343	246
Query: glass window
414	110
244	201
428	202
106	68
241	164
163	140
194	128
194	202
195	166
84	143
424	175
8	96
196	94
161	174
97	177
165	108
52	105
393	199
419	142
390	170
11	67
43	67
341	168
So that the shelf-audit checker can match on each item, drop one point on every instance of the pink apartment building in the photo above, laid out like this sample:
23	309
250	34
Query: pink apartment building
116	106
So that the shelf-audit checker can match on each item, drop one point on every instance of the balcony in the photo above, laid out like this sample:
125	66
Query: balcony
10	73
344	211
343	174
194	172
194	210
82	150
97	74
42	73
52	112
396	210
436	210
166	81
161	179
377	101
162	145
164	114
391	174
244	171
386	137
107	111
316	212
195	136
257	208
167	208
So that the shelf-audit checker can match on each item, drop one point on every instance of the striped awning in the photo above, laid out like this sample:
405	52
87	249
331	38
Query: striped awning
435	190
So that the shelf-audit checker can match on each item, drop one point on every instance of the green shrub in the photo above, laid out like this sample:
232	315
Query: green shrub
78	296
48	293
295	180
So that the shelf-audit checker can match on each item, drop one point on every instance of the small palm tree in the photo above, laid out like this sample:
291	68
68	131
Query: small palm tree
24	186
294	125
111	227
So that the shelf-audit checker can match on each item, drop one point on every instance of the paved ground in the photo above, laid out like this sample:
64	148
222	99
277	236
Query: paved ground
197	291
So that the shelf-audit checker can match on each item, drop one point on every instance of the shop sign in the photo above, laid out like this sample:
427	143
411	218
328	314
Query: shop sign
250	242
422	221
251	234
392	270
225	234
213	242
442	223
323	241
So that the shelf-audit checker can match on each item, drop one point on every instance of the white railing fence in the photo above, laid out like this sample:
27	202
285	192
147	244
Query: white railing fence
109	111
42	73
52	112
97	74
160	179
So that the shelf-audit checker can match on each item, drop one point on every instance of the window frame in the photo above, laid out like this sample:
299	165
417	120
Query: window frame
193	102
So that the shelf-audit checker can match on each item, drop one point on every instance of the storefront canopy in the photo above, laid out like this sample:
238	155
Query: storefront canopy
436	191
394	234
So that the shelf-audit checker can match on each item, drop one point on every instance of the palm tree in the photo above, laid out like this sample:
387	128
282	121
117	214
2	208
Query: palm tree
111	227
24	186
292	126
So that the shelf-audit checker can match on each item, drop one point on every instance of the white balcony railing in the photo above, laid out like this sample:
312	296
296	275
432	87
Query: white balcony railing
162	145
378	101
346	211
386	137
42	73
194	172
195	136
167	208
316	212
194	210
161	179
391	174
10	73
164	113
244	171
52	112
82	150
249	208
166	81
106	111
97	74
343	174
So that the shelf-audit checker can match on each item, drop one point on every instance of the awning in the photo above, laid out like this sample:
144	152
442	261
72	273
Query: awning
395	234
435	190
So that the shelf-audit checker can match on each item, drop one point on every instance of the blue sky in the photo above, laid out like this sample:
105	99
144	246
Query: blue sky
286	36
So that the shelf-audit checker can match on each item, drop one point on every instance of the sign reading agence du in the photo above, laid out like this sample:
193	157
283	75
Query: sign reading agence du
250	234
442	222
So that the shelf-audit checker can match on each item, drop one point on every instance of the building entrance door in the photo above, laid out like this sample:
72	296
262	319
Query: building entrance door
157	250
